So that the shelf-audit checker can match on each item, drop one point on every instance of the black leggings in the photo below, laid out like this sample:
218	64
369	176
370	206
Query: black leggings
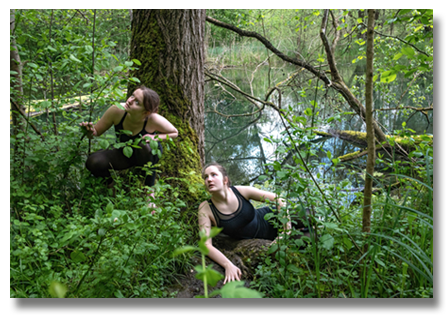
100	162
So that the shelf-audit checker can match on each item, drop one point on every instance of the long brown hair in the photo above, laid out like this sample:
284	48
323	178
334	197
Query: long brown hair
220	168
151	99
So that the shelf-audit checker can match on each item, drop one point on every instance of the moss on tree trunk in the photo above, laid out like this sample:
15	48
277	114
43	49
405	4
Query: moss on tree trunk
170	46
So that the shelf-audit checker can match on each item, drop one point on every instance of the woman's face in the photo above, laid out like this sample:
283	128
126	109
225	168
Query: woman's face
213	178
134	104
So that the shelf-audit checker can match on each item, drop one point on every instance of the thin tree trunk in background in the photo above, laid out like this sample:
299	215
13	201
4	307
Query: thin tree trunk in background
169	43
15	65
55	126
367	209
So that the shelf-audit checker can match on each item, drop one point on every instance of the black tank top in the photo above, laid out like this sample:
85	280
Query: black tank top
122	137
246	222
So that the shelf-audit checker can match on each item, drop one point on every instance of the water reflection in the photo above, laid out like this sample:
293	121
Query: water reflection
237	142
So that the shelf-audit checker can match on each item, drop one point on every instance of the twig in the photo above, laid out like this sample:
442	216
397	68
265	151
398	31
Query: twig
27	119
401	40
269	45
93	71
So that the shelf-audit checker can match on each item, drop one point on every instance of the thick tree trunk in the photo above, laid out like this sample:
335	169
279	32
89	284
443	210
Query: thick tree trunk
170	46
367	209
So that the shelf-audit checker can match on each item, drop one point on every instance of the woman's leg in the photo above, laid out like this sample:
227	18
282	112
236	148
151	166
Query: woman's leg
100	162
143	156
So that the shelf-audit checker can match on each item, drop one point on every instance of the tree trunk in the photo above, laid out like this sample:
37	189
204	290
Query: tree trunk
367	209
15	65
170	46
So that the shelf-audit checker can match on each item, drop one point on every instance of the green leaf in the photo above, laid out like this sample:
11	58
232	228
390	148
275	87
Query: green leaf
109	208
327	241
183	249
408	51
136	61
202	247
104	144
397	56
154	144
73	58
214	231
34	66
404	11
388	76
135	79
78	256
308	112
292	268
121	107
209	273
57	290
101	232
236	289
127	151
118	68
128	64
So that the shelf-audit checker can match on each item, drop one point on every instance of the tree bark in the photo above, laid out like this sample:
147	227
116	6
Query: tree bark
170	46
367	209
15	65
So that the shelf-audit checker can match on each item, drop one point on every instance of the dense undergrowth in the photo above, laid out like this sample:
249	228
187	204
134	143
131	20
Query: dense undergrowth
394	259
73	236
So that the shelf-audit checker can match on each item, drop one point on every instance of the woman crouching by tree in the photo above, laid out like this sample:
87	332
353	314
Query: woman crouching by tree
229	208
140	118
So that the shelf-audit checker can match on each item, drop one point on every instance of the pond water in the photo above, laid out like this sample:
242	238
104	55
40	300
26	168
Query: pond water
237	142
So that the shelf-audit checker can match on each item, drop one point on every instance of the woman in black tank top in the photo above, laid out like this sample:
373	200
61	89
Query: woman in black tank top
139	117
229	208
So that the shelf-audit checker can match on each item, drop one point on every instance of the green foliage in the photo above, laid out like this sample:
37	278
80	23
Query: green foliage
210	277
338	260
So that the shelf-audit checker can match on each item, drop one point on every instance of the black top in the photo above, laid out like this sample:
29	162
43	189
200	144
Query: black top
246	222
122	137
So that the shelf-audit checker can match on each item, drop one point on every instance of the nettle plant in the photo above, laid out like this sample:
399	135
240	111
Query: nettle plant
210	277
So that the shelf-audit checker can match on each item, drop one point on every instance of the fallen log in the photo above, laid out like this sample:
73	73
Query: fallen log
404	144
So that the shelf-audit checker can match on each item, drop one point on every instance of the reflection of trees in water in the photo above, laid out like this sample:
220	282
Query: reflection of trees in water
237	142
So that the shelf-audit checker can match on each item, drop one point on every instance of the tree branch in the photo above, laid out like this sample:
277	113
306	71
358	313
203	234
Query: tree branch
27	119
401	40
269	45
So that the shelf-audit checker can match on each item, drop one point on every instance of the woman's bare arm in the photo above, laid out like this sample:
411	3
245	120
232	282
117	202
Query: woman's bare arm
164	128
263	195
106	122
232	272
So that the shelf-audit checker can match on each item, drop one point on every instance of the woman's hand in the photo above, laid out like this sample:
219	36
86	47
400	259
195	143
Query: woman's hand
232	273
149	137
89	129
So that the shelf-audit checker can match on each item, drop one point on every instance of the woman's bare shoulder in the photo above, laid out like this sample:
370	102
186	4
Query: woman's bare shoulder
204	207
114	114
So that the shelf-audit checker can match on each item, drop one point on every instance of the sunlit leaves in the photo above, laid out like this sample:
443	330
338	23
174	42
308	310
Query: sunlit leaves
388	76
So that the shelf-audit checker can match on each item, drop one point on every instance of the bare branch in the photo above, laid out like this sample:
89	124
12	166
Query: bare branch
399	39
27	119
418	109
269	45
336	32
